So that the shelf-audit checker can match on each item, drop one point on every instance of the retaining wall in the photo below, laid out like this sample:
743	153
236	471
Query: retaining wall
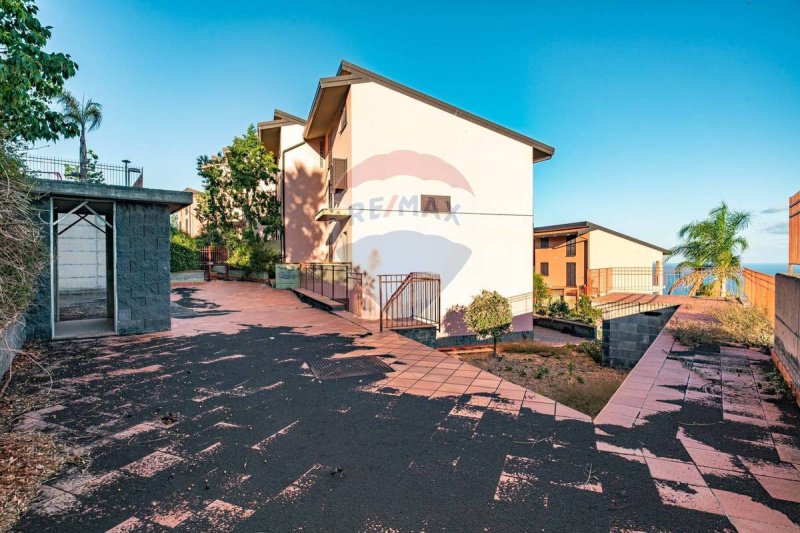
627	338
12	337
787	328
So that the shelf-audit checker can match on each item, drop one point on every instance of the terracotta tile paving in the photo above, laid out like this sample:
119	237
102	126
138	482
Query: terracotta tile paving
688	443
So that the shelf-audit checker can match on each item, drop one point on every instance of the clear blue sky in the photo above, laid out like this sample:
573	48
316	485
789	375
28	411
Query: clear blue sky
657	110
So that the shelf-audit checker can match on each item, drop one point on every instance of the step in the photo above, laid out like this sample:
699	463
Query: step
318	301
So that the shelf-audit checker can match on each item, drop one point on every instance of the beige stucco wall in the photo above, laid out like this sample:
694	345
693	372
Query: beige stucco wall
304	195
610	251
403	148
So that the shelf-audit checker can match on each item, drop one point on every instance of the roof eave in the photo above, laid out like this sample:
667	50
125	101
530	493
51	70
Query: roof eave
317	125
541	151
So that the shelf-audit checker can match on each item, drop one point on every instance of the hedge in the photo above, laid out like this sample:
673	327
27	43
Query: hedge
183	252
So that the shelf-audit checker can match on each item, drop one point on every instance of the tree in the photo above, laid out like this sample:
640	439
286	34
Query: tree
240	201
541	292
30	78
85	116
92	175
712	247
489	315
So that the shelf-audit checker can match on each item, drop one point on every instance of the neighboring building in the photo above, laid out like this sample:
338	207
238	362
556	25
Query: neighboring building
585	258
302	186
187	217
393	181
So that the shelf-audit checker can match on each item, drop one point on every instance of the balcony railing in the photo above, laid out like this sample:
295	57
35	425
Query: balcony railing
51	168
651	280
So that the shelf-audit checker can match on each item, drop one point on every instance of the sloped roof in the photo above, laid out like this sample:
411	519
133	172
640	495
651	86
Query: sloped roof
585	227
332	91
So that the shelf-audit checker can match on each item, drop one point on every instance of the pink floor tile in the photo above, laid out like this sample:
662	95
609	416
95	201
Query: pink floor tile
689	497
152	464
675	471
740	506
782	489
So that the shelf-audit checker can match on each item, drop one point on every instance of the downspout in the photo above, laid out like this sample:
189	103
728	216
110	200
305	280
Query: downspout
283	197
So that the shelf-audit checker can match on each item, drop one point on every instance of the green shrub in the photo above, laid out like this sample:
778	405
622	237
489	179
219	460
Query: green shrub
489	315
183	252
558	309
594	349
541	372
585	312
253	255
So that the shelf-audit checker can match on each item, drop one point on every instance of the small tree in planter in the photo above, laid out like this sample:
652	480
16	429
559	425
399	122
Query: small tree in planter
541	294
489	315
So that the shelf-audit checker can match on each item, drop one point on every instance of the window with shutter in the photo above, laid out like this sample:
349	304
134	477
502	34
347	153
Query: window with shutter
572	279
340	175
544	269
343	120
571	246
435	204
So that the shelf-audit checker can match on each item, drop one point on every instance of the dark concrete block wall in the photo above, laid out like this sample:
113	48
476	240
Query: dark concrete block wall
142	262
38	319
142	268
787	326
627	338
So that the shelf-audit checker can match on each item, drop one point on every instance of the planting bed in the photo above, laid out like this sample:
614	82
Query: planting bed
566	374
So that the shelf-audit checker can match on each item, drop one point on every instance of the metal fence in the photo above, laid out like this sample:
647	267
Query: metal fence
794	229
622	308
336	281
410	300
647	280
651	280
52	168
759	290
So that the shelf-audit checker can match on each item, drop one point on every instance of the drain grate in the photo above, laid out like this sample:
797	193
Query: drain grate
348	367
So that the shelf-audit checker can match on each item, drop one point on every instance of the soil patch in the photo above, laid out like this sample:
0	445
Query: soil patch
27	458
566	374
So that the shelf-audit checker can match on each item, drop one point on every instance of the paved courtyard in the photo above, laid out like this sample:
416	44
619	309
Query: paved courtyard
220	425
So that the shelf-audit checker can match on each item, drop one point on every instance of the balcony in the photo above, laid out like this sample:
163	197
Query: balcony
93	173
332	214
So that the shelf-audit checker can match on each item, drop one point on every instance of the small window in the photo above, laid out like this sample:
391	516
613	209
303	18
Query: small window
544	242
572	279
544	269
571	246
435	204
343	120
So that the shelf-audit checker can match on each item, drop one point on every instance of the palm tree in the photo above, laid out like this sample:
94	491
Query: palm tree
712	247
87	116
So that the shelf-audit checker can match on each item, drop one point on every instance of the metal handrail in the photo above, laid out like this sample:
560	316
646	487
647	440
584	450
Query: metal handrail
411	300
337	281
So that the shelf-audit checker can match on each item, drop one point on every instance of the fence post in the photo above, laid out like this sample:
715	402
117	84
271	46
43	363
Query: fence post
380	301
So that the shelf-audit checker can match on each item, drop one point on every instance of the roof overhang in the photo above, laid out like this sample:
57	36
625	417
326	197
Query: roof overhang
329	99
270	131
561	233
174	200
581	228
349	71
